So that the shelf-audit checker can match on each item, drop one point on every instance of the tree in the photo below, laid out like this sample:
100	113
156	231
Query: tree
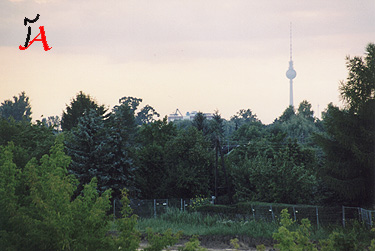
359	89
200	122
285	176
188	162
248	132
300	129
121	138
217	133
243	117
147	115
30	140
37	211
287	114
151	158
19	109
88	147
132	102
300	126
77	108
305	111
349	141
53	122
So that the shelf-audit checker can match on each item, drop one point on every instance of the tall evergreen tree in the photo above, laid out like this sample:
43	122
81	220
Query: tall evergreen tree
87	145
121	136
77	108
349	142
19	109
200	122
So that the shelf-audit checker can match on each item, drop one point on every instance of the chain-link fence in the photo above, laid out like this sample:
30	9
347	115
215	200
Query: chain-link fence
360	214
318	215
156	207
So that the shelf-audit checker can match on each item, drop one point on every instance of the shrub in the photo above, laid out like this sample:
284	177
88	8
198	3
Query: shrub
41	215
158	242
192	245
198	201
293	240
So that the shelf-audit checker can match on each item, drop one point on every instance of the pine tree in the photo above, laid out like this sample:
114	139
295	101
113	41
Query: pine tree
19	109
120	140
349	142
87	145
77	108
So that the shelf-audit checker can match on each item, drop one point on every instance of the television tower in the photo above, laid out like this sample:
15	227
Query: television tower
291	73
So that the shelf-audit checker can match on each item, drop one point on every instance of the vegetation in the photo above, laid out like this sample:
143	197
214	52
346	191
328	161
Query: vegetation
285	233
195	223
349	139
158	242
38	213
57	184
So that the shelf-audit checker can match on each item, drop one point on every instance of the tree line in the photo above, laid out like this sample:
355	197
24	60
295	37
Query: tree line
296	159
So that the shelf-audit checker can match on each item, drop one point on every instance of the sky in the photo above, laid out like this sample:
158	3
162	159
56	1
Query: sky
194	55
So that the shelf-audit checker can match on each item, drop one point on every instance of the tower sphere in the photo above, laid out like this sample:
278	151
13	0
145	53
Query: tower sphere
291	73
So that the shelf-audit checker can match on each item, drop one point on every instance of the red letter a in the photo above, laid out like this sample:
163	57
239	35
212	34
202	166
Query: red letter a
43	39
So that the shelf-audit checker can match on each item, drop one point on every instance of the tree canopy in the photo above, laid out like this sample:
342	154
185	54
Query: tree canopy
19	109
77	108
349	140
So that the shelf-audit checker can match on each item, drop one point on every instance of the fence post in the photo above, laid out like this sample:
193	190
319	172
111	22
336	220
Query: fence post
253	211
273	216
154	208
181	205
370	218
317	217
343	216
114	209
294	213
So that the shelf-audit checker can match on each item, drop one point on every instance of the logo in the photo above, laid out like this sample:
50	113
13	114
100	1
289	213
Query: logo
42	35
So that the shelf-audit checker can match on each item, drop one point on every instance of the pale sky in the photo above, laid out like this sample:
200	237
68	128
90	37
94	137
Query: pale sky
194	55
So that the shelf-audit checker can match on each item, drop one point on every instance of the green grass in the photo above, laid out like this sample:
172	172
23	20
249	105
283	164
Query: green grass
195	223
355	234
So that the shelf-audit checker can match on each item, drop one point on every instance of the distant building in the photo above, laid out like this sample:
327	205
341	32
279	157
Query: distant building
189	116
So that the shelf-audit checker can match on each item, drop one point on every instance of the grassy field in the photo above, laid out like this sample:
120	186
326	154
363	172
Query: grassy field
216	228
195	223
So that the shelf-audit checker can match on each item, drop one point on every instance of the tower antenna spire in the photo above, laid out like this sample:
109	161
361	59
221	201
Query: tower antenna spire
291	51
291	73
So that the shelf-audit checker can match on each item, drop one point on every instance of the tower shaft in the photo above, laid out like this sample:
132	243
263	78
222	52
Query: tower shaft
291	92
291	73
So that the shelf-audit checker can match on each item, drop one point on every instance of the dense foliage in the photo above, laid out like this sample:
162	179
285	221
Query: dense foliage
296	159
349	138
37	211
57	186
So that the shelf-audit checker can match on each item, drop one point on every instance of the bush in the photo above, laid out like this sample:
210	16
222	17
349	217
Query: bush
158	242
293	240
192	245
38	213
198	201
